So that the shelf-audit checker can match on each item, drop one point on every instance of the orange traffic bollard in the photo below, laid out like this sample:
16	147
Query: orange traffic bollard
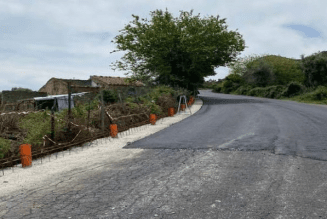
153	119
192	99
113	130
171	111
25	151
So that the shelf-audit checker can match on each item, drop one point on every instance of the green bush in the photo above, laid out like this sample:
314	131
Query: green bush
159	90
80	111
260	75
285	69
257	92
274	92
293	89
217	89
149	100
37	125
227	87
4	147
315	69
243	90
237	79
130	101
109	96
267	92
231	83
320	93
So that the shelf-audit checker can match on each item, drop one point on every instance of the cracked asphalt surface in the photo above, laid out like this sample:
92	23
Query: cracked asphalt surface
237	157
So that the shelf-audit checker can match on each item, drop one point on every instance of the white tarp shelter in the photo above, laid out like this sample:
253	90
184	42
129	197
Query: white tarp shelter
61	100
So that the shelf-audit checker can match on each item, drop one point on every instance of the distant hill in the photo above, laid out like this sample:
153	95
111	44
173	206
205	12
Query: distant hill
285	69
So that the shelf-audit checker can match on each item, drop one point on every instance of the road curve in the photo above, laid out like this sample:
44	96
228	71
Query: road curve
248	124
237	157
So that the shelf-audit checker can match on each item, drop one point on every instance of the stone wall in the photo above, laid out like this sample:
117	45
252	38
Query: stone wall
15	96
55	87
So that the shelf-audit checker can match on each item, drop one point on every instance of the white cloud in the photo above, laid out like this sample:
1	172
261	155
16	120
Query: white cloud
44	39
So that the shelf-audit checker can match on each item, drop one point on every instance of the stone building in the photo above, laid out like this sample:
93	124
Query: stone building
57	86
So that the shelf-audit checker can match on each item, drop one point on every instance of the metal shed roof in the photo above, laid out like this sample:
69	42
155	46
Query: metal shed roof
57	96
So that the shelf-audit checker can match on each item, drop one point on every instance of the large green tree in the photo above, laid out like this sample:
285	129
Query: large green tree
176	51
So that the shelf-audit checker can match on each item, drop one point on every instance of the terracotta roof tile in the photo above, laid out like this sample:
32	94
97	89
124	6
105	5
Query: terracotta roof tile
109	80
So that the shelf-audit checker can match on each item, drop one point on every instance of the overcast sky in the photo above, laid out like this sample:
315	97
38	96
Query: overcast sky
72	39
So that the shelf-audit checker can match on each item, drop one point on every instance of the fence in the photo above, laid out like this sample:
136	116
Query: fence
68	131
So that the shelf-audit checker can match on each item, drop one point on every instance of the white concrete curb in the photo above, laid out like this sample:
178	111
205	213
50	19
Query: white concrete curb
123	139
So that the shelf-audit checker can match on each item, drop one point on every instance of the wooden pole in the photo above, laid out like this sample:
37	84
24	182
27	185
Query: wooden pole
102	111
52	121
88	115
69	106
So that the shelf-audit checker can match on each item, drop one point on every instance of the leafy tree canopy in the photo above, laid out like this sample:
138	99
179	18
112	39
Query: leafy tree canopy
176	51
21	89
241	65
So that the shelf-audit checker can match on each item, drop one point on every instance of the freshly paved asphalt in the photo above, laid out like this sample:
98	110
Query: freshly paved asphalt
237	157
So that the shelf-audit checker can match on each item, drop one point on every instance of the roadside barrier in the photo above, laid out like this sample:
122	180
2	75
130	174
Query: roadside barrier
153	119
171	111
25	155
25	150
113	130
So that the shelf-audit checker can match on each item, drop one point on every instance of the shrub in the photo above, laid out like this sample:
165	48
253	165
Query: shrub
320	93
274	92
243	90
285	69
260	75
4	147
36	125
109	96
227	87
237	79
293	89
217	89
315	69
267	92
241	64
257	92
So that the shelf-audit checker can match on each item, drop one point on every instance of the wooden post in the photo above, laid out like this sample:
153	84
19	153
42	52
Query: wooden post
69	106
121	101
52	125
102	111
88	115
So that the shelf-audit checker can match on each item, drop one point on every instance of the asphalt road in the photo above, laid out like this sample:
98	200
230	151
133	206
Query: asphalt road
237	157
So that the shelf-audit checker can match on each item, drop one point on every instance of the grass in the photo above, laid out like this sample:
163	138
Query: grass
306	98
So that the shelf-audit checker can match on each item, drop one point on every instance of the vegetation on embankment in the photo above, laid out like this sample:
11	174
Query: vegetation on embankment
32	127
270	76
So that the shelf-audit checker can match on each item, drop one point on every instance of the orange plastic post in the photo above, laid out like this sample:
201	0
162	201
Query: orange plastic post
171	111
153	119
25	151
113	130
192	100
